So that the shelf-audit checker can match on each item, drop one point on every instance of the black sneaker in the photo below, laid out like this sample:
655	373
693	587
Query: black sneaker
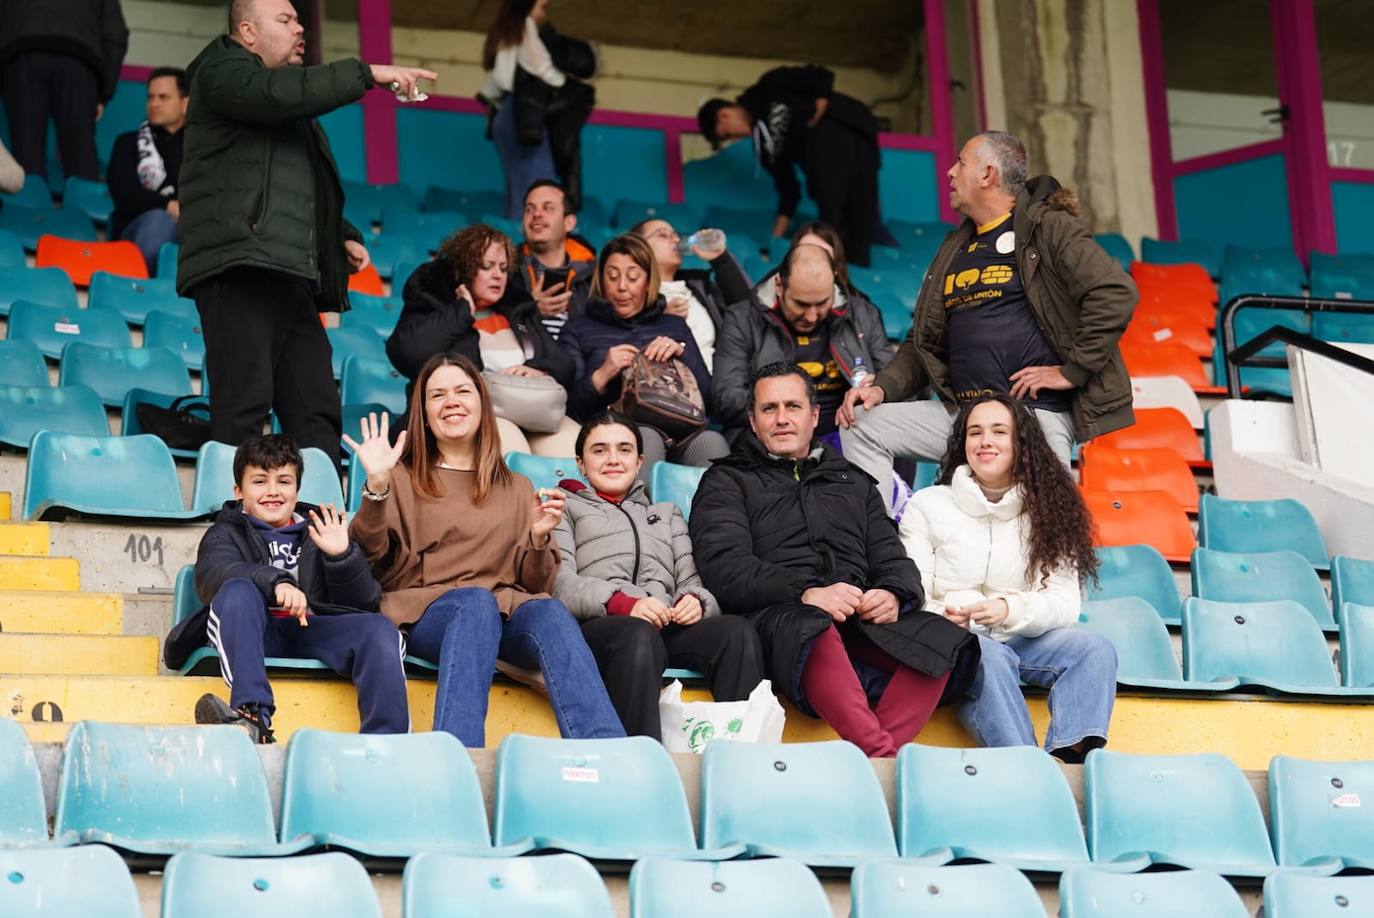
211	709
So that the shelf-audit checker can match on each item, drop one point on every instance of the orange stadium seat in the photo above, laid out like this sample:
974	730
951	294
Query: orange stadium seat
1152	518
1149	327
367	281
82	259
1107	469
1158	428
1164	301
1175	277
1167	358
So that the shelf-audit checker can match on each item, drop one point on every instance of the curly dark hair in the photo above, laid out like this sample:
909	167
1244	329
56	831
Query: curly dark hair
465	248
1061	528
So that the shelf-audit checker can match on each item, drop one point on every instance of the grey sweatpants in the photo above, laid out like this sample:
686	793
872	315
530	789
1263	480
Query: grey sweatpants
920	430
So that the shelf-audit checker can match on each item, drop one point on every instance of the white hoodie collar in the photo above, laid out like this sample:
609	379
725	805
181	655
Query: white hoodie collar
969	497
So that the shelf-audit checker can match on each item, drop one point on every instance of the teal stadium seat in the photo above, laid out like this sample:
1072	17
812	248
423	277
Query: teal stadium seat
1144	650
21	364
133	298
369	381
1088	893
1352	580
896	314
1342	277
468	201
544	471
942	811
1140	571
1357	645
1279	266
362	808
1260	577
774	888
51	328
817	802
11	251
1274	645
684	218
364	203
1295	895
398	246
1260	525
401	273
593	210
1343	327
910	232
606	799
167	260
754	222
90	882
198	885
1250	324
34	193
49	286
887	889
1183	251
23	815
29	223
1193	811
88	197
131	426
68	409
437	225
128	477
215	478
179	334
1115	245
677	483
354	342
114	790
378	313
904	282
447	886
513	229
113	371
1318	815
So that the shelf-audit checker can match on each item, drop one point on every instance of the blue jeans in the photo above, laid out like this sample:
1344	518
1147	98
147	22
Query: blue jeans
1079	669
523	165
464	632
149	230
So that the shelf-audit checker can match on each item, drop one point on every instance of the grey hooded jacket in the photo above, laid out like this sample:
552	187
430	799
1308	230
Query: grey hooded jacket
634	547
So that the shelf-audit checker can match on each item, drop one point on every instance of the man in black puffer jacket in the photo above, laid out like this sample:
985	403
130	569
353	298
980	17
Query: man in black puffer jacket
282	579
788	533
59	61
264	245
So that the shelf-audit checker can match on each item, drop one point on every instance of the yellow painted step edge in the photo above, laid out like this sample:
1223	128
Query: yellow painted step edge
78	654
31	539
61	612
5	505
37	573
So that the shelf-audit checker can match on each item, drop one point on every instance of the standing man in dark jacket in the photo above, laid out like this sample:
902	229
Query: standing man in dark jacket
787	532
281	579
798	120
838	340
59	61
145	167
1020	299
264	245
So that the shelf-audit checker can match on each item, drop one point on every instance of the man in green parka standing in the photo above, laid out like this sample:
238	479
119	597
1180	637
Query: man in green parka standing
264	245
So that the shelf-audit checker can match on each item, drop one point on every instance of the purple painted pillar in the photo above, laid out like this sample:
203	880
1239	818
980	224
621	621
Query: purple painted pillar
379	106
941	112
1157	117
1300	91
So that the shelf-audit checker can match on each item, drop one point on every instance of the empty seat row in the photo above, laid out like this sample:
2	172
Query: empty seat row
623	800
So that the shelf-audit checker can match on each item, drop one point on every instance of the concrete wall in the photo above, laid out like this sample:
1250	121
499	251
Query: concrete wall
1066	76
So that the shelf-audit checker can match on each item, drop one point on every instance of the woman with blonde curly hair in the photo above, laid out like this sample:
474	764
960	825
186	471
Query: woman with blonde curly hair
462	302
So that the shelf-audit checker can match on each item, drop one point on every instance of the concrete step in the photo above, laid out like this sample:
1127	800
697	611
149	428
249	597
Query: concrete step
60	612
127	557
24	538
78	654
18	572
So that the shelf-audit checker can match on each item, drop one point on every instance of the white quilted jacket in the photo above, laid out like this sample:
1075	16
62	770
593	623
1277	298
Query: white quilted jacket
969	549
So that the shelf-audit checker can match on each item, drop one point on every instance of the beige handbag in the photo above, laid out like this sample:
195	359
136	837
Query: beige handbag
535	404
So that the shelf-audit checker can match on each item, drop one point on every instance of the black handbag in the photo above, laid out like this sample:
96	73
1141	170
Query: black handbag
184	424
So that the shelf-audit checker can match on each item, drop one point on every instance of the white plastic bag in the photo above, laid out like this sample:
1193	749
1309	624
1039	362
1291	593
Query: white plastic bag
688	726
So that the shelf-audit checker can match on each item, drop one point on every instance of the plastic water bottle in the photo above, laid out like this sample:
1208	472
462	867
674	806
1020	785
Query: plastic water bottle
705	238
860	376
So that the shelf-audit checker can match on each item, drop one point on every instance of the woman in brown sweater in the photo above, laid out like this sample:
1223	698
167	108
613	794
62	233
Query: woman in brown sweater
462	548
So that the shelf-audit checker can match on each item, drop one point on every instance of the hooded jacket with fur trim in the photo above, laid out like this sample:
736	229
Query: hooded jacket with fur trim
1081	298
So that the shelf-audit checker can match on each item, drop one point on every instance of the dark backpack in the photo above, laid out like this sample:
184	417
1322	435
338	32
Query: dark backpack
184	424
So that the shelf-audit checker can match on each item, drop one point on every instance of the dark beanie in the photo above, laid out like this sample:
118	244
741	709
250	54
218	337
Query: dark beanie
706	120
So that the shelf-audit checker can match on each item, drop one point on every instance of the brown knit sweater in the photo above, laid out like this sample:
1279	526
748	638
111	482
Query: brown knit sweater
422	548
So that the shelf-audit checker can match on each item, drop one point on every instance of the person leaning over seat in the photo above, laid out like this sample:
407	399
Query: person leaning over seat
1004	546
463	302
626	318
627	573
464	551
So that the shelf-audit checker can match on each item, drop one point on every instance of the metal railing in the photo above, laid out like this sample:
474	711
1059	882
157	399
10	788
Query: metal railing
1248	353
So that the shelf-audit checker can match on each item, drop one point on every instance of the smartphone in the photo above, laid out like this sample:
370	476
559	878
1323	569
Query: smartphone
555	276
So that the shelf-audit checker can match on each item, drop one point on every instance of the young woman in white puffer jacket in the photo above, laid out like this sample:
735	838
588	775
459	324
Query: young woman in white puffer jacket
1004	545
